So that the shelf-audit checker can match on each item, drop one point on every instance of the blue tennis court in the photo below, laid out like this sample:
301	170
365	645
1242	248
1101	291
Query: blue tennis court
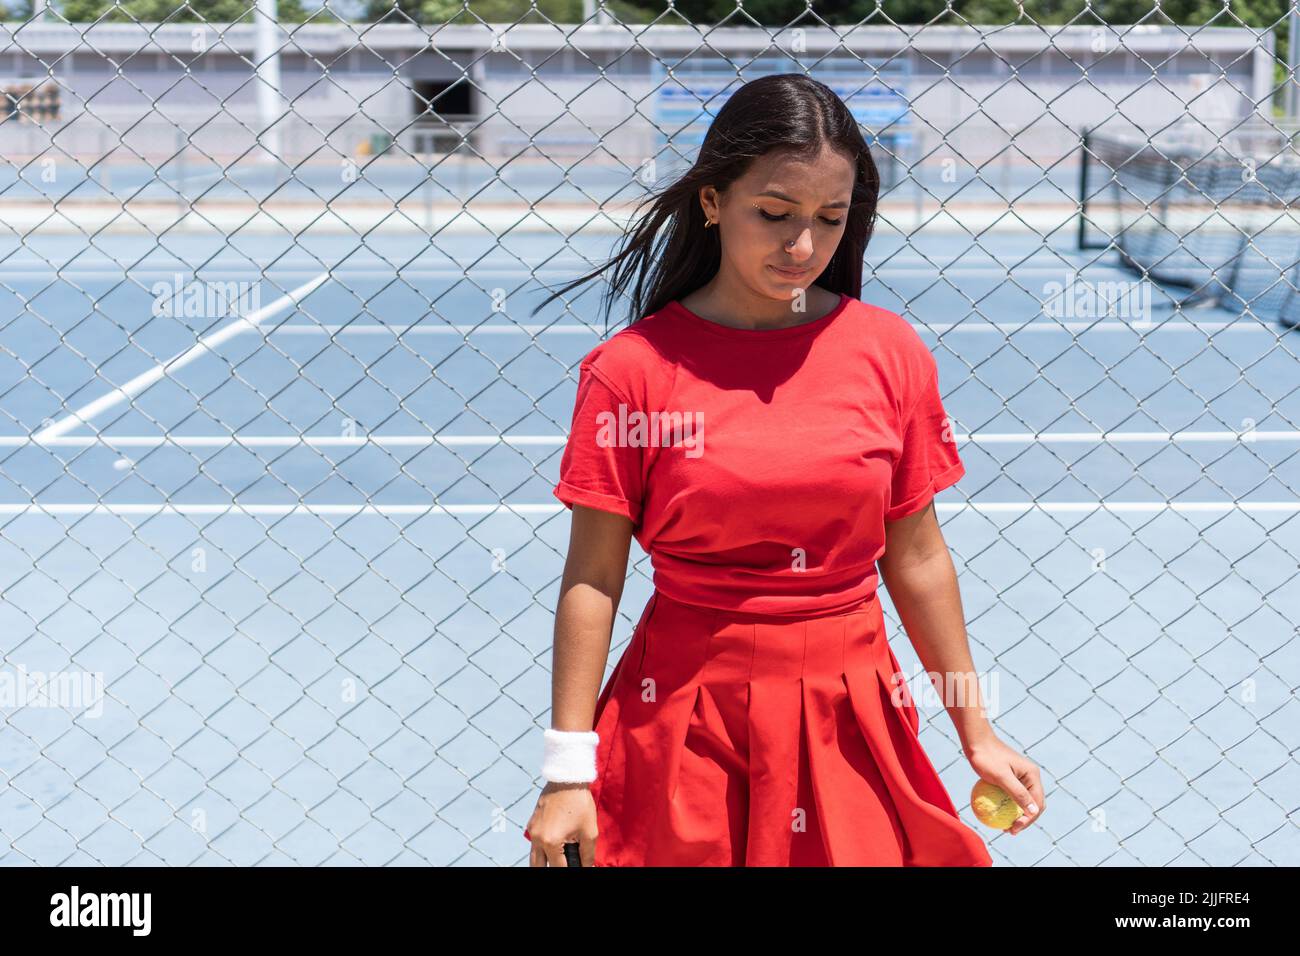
307	551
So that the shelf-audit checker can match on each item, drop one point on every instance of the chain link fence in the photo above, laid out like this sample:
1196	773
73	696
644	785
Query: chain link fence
278	552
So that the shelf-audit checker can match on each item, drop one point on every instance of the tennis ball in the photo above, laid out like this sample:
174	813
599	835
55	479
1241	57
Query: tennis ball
993	806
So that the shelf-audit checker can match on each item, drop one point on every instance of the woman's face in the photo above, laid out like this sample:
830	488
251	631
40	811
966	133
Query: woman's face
781	222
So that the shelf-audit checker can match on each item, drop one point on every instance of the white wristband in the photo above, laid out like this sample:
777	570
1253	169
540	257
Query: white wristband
569	756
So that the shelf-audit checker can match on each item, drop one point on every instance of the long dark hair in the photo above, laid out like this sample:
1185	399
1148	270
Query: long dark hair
788	112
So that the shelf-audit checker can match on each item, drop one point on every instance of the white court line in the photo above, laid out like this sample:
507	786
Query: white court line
357	441
572	328
999	438
993	507
975	325
203	347
279	441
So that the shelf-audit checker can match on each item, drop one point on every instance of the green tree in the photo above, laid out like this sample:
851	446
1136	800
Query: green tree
468	12
177	11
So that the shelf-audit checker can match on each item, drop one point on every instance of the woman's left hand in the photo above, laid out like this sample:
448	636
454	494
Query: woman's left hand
1015	773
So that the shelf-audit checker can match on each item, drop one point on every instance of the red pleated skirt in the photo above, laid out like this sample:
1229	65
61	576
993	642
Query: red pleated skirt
732	739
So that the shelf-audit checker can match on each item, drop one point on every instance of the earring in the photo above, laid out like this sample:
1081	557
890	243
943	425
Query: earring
707	223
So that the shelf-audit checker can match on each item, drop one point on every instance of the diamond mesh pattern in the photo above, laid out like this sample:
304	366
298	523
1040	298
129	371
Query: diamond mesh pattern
278	554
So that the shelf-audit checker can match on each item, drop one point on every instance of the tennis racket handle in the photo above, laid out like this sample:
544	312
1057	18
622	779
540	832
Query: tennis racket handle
571	855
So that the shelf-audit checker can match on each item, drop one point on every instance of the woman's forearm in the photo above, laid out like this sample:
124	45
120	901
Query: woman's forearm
928	600
583	629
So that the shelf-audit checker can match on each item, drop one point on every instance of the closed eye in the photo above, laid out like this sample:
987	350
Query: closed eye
771	218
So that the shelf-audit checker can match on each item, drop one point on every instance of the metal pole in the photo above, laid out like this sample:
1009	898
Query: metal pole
1083	187
589	10
1292	41
270	103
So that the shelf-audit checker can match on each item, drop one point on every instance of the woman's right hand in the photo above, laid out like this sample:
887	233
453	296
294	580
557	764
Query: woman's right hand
565	813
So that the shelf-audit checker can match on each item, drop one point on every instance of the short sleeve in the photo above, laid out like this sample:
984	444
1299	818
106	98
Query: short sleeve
928	462
599	468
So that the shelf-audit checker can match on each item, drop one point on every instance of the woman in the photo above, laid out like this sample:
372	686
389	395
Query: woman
774	444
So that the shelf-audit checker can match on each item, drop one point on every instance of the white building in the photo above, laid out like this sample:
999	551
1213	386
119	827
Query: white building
566	90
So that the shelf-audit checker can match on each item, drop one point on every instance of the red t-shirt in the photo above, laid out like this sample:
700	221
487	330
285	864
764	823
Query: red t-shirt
759	466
